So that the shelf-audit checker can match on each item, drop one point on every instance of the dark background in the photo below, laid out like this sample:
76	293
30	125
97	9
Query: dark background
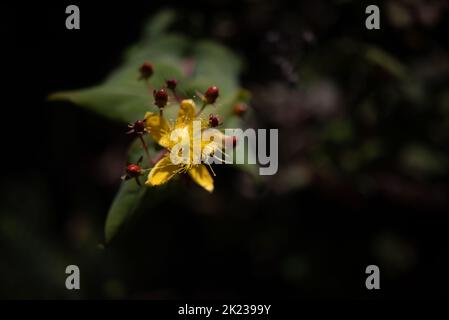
62	164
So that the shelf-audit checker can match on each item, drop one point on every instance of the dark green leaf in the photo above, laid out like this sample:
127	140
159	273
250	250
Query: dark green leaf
125	204
128	199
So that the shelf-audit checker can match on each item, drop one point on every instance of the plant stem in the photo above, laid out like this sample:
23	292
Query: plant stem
145	148
178	99
202	108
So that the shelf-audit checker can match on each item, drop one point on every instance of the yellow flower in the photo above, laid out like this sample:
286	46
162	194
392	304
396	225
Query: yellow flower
161	131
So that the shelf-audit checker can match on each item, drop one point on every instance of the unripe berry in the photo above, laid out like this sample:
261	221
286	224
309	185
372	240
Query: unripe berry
146	71
211	95
160	98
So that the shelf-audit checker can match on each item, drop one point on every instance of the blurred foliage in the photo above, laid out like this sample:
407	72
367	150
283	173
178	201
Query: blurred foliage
363	108
363	119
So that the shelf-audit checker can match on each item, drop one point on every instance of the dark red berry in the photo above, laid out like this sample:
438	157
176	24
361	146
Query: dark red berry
146	71
171	84
214	120
211	95
139	127
240	109
160	98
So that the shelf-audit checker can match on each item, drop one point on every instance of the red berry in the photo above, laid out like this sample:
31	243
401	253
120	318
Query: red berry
139	127
211	95
133	170
171	84
214	121
160	98
146	70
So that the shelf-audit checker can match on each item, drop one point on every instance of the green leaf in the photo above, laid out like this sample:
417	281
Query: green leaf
128	199
169	48
125	204
216	65
121	97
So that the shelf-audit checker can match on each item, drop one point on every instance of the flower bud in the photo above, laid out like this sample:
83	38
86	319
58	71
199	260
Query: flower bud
160	97
240	109
211	95
214	120
146	71
171	84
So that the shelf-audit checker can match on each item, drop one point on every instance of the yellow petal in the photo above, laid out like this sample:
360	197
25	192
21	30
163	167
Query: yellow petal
158	128
186	112
163	171
201	176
